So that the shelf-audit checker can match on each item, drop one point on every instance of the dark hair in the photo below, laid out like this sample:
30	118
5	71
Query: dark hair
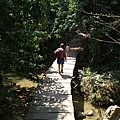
62	45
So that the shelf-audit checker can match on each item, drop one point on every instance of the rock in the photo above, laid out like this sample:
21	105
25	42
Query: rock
112	113
90	113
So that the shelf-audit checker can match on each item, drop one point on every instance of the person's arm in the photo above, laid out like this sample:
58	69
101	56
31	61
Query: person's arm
65	55
56	51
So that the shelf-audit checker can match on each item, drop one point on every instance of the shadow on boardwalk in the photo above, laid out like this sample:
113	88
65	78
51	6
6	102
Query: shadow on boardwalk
52	99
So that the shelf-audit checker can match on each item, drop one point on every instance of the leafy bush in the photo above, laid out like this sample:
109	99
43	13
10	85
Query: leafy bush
8	102
101	90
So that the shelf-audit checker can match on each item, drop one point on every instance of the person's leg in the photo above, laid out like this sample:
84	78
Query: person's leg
61	68
62	63
58	62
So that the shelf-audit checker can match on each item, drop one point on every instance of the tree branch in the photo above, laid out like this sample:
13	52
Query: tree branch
106	41
113	28
113	39
102	15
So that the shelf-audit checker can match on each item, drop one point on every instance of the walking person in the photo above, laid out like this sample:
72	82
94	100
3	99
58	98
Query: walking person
67	50
61	57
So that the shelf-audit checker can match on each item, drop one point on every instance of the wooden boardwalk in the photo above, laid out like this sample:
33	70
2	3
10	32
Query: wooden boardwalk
52	99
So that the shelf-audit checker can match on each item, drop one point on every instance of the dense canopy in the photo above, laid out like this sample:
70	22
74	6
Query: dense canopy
31	29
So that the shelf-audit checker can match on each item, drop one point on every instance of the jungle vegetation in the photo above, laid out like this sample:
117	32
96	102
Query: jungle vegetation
31	29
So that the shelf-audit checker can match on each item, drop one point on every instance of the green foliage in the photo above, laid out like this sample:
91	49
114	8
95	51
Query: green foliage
31	29
28	28
101	20
101	90
23	35
64	22
8	102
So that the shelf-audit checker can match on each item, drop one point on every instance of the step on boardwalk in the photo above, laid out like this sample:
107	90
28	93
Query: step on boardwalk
52	99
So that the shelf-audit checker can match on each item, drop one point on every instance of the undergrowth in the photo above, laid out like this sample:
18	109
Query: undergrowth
101	89
14	101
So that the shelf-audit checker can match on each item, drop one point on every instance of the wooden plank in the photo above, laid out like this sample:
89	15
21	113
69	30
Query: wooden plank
52	99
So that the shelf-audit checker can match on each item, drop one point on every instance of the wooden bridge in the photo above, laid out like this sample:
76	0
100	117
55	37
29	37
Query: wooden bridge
52	99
